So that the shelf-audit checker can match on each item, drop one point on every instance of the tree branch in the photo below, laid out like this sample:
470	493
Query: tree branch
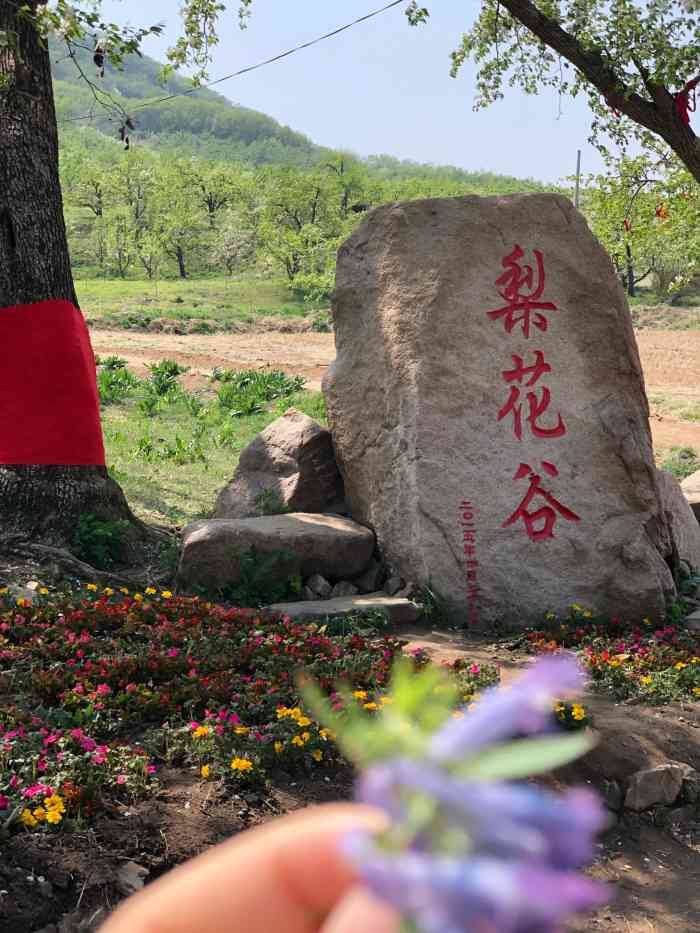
591	64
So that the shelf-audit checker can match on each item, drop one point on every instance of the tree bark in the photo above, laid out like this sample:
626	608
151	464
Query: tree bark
181	262
41	502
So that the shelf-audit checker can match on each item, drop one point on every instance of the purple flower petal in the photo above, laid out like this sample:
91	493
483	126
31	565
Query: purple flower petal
474	895
523	708
509	820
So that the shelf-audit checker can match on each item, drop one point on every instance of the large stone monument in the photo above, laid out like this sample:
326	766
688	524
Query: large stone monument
488	410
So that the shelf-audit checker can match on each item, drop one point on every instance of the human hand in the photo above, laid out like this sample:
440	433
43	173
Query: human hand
287	876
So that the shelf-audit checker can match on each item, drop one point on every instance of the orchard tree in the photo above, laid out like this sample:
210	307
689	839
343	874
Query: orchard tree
636	61
646	214
43	501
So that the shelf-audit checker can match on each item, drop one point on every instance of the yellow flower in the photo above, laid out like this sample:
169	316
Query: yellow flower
298	741
578	712
149	591
138	597
92	587
646	680
3	591
696	691
317	755
695	660
23	602
614	663
43	591
54	803
124	590
108	591
241	764
371	706
241	730
303	722
204	771
54	816
680	666
588	614
360	694
201	731
647	621
285	712
28	819
166	594
39	814
278	747
576	607
550	616
326	734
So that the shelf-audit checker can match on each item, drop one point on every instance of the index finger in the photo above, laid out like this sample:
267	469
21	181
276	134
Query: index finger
287	875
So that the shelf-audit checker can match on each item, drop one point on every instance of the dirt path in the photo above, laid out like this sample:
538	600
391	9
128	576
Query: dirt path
671	361
307	354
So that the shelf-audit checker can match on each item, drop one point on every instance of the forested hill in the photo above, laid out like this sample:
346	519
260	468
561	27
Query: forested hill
205	123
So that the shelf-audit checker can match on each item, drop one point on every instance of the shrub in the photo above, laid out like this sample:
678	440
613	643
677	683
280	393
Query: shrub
681	461
164	376
99	541
269	502
115	385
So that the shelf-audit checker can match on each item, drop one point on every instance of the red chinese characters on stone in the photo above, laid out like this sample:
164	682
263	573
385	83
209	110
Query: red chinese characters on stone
538	401
539	522
521	287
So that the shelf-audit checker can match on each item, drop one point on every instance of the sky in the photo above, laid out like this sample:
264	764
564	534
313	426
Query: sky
383	87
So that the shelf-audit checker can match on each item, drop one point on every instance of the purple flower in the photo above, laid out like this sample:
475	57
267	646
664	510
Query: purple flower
444	894
476	856
523	708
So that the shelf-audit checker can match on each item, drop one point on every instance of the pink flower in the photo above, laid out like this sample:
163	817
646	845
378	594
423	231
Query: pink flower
475	669
151	769
121	779
4	802
103	690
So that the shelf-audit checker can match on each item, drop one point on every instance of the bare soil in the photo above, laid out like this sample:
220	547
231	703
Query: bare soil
670	358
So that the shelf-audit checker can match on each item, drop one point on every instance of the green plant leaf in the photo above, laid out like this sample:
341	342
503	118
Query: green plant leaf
526	757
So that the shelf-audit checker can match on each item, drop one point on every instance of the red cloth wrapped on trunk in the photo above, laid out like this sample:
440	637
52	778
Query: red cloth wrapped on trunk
49	404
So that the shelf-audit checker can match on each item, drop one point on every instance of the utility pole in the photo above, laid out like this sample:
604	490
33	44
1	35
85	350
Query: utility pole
578	178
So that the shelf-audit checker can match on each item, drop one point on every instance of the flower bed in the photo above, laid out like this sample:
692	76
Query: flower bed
656	663
118	683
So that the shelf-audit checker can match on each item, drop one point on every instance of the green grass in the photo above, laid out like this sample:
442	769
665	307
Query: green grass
681	461
200	305
172	465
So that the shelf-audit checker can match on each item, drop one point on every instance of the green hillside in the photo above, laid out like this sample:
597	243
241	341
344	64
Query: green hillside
206	124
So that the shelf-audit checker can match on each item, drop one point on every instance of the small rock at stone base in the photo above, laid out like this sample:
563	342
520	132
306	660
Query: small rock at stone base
652	786
398	611
393	585
693	620
309	594
612	796
344	589
130	878
320	586
371	580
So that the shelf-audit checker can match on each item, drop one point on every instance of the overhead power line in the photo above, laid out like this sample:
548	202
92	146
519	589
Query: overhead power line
249	68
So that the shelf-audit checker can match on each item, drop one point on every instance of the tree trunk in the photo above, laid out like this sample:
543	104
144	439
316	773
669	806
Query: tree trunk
181	262
631	291
38	501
